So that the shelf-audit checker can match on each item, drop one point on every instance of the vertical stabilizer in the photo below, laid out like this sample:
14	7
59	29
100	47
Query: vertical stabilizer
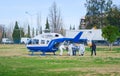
77	37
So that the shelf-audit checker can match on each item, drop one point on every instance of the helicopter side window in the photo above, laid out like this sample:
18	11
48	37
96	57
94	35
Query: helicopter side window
47	41
42	41
29	42
33	41
36	41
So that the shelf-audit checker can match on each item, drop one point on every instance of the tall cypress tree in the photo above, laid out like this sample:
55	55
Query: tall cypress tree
47	27
33	32
28	35
16	33
47	24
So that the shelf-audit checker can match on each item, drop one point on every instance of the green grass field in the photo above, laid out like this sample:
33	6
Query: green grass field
16	61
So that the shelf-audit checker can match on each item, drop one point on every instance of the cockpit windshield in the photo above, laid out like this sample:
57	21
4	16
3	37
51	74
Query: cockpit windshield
33	41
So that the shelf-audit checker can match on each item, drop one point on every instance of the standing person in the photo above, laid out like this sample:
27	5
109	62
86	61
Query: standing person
74	49
93	49
81	49
61	47
70	51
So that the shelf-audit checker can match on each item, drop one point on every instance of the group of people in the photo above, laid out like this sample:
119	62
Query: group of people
73	48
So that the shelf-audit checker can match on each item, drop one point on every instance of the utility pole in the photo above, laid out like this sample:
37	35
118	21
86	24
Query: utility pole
30	17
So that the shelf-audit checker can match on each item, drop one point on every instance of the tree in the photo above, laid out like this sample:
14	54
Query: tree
22	34
47	24
47	27
28	34
113	16
9	31
16	33
55	19
62	31
39	28
70	27
74	27
33	32
3	33
110	33
36	31
96	9
40	32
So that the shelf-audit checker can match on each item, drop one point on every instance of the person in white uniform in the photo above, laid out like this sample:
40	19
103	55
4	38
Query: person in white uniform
70	52
81	49
61	48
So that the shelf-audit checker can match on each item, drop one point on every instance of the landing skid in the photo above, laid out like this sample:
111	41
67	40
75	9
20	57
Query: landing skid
32	54
54	53
43	53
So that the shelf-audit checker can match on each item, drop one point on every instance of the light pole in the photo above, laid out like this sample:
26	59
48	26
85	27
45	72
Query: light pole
33	21
30	16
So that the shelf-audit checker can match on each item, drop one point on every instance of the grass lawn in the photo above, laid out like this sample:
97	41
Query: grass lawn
16	61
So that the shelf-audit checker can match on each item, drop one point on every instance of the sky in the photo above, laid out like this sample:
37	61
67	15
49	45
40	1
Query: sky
15	10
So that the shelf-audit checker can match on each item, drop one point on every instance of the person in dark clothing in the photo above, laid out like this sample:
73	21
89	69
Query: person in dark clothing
93	49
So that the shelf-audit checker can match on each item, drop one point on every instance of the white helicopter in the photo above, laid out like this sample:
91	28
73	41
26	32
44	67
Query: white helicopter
49	42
